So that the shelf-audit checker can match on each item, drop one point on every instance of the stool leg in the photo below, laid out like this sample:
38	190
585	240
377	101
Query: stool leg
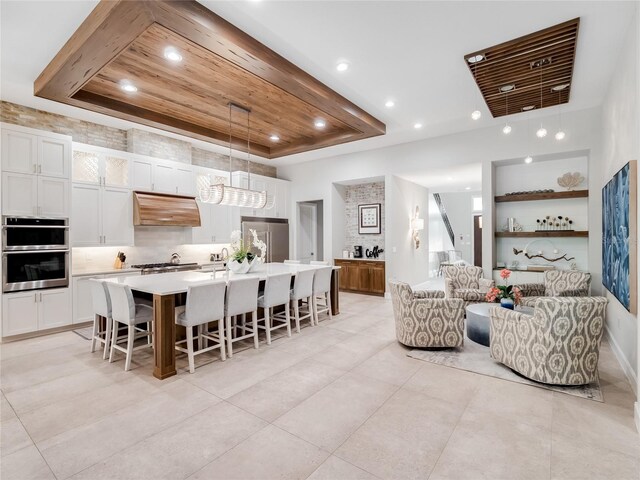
190	349
314	306
221	340
328	298
288	317
267	324
107	338
201	339
296	313
114	340
254	317
229	337
130	339
94	333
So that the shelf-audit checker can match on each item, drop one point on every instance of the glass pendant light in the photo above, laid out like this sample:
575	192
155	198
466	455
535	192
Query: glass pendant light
507	128
476	114
221	194
542	132
560	133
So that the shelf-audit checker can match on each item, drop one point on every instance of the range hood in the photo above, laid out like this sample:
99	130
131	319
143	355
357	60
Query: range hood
163	210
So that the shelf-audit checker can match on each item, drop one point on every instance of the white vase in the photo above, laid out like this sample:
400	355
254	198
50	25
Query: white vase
240	267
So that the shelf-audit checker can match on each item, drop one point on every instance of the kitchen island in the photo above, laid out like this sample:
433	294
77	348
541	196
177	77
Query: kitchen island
164	288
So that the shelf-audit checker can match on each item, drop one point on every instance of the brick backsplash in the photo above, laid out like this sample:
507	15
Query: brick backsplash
357	195
133	140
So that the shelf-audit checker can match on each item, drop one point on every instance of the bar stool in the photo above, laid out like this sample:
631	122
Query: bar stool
292	262
322	291
205	304
101	308
125	311
277	290
318	262
303	290
242	298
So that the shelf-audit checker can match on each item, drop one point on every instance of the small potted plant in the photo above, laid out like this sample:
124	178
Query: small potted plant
506	294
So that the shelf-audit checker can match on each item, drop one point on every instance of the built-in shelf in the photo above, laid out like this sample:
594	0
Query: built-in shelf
558	233
529	197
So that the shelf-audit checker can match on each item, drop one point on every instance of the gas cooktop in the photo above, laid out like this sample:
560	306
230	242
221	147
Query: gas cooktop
148	268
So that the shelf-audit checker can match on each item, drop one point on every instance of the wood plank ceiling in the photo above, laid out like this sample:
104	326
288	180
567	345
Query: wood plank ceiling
124	41
517	62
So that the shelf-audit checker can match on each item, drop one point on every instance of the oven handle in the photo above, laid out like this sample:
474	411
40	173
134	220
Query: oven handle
7	227
22	252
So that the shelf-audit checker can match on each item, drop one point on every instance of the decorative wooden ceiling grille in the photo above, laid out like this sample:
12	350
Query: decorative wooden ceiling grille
517	62
125	40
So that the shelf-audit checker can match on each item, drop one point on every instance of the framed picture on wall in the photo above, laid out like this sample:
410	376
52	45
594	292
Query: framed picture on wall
620	236
369	218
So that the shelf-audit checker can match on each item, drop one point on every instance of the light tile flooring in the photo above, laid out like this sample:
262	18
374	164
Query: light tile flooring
340	401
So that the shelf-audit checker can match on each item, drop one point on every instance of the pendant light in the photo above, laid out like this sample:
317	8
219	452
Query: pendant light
542	132
528	158
476	114
560	133
507	128
221	194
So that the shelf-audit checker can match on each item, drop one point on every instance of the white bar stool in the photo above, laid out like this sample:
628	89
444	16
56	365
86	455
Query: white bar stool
124	310
242	298
205	304
101	308
303	290
292	262
277	290
322	291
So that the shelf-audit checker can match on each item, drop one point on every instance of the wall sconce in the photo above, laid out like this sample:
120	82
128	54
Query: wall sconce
417	224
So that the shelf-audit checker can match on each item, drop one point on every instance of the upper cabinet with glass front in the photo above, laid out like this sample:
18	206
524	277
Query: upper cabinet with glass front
98	166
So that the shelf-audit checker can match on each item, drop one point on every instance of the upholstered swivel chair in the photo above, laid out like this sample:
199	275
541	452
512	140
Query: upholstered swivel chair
557	283
466	282
425	318
559	344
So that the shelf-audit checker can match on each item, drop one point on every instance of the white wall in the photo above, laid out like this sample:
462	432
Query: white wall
620	143
403	261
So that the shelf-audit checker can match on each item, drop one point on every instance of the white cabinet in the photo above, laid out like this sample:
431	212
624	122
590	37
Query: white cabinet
162	176
24	151
25	312
215	224
19	313
101	216
19	152
100	166
34	195
281	206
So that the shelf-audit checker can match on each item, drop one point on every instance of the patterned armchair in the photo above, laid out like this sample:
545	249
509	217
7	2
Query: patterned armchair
559	344
557	283
426	318
466	282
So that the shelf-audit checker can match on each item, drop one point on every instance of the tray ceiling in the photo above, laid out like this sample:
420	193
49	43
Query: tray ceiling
517	62
125	41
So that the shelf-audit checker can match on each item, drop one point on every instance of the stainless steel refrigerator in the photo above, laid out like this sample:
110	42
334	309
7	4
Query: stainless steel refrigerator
274	232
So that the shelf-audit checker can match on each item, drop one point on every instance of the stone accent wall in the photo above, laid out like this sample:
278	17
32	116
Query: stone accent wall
205	158
81	131
357	195
158	146
134	140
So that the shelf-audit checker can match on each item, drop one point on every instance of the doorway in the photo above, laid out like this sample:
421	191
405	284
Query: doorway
310	231
477	240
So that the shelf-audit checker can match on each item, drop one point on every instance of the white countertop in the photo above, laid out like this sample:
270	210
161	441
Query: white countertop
179	282
93	270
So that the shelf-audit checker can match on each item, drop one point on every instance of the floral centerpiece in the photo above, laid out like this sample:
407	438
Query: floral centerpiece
506	294
242	259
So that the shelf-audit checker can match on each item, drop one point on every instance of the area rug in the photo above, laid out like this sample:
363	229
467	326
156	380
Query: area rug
475	358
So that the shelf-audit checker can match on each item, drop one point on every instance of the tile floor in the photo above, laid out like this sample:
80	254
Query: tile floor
340	401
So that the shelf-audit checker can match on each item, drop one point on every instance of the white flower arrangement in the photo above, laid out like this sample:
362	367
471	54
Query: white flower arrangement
259	244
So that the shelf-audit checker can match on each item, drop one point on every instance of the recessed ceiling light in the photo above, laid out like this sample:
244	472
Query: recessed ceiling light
528	107
274	138
559	88
417	126
506	129
476	114
528	159
475	58
320	123
342	66
172	54
542	132
467	188
127	86
389	103
560	135
507	88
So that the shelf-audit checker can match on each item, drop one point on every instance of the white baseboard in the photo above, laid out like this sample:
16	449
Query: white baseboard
626	367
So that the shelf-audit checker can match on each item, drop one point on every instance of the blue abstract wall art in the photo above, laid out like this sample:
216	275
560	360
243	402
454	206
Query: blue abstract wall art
619	236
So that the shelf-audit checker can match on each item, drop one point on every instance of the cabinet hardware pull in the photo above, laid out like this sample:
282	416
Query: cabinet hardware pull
35	298
41	298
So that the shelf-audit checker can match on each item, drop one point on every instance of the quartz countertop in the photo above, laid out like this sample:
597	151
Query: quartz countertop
96	270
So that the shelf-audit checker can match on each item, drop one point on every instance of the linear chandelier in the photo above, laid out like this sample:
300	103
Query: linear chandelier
221	194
